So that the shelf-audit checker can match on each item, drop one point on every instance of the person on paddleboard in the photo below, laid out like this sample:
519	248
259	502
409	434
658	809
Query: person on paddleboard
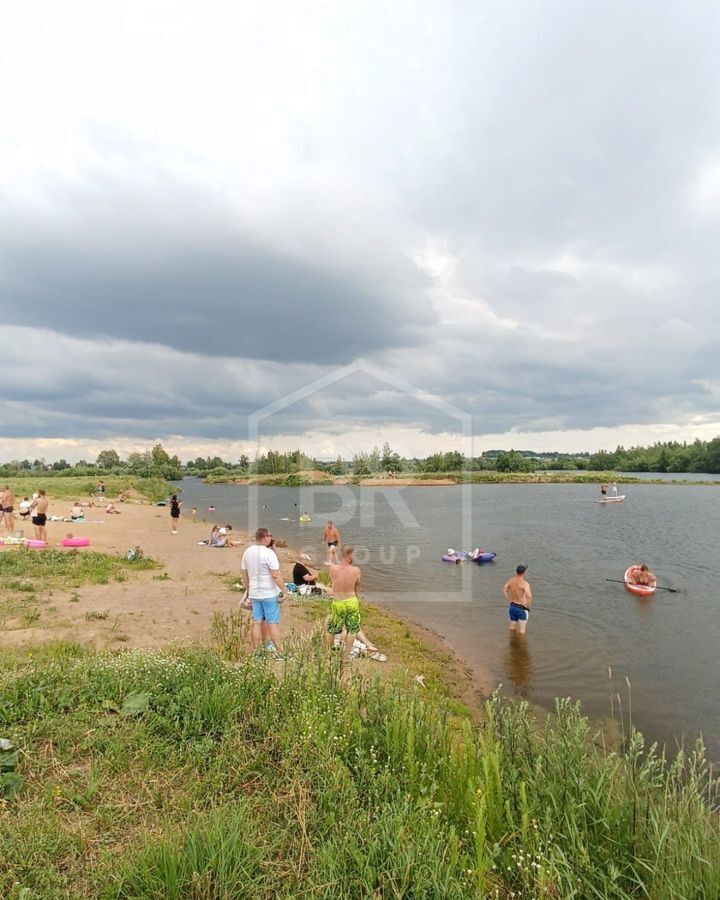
643	575
519	597
603	489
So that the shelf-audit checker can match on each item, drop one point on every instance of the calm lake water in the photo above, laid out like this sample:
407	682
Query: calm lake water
581	623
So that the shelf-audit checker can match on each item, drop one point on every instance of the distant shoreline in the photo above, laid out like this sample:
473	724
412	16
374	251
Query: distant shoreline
310	479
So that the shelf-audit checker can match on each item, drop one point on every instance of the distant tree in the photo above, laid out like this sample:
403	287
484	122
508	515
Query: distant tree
602	462
108	459
453	461
513	462
711	460
139	463
159	456
60	465
389	460
338	467
360	464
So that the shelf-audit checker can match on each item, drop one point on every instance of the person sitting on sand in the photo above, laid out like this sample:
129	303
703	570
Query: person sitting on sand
224	538
302	575
77	512
643	575
229	537
212	541
111	509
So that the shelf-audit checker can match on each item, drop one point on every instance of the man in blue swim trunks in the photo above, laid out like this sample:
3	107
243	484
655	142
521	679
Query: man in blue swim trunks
519	597
265	588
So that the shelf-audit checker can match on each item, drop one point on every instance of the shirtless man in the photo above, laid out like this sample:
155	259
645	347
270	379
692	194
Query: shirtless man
39	509
519	597
8	507
643	575
331	536
345	606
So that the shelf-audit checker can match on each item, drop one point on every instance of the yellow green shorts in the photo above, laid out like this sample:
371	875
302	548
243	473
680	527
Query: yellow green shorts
344	614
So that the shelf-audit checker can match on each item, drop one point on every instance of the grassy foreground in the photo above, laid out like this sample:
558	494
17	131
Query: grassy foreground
180	775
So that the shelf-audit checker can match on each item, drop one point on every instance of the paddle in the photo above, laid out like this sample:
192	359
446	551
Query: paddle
657	586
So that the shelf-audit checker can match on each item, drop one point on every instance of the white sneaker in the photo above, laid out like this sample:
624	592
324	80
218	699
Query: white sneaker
359	646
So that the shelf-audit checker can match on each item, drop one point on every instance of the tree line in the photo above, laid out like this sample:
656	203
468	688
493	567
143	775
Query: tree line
672	456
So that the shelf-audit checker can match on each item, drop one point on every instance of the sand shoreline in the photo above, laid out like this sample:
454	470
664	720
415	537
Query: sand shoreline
175	604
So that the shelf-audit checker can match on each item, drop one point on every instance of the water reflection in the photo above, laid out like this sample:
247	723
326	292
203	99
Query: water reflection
518	663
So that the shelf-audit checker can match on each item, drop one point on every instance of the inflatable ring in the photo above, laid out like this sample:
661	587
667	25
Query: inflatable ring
75	542
34	544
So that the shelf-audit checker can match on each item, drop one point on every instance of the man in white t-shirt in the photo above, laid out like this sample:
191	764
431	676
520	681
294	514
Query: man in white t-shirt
265	587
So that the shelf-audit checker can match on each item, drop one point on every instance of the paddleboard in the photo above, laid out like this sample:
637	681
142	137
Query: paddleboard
618	499
640	590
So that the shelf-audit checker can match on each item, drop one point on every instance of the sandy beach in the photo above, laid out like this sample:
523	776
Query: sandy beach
176	602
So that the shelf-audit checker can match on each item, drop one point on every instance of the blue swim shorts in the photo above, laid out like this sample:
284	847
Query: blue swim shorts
266	611
517	613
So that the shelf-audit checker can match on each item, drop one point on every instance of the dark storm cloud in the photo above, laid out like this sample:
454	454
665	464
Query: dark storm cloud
217	297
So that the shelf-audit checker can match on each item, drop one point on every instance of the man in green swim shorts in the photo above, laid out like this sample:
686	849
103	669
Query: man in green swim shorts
345	606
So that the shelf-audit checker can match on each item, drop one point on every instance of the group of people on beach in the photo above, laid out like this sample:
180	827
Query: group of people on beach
34	508
265	591
222	536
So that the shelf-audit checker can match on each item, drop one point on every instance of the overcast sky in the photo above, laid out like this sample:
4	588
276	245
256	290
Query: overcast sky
207	207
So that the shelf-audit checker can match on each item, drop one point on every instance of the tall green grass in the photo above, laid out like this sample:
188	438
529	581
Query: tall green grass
77	487
169	775
69	568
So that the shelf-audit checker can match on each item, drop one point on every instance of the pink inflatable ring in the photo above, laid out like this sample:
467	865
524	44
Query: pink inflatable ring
75	542
35	545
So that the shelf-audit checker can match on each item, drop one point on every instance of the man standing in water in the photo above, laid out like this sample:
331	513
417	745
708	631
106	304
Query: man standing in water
519	597
332	537
345	606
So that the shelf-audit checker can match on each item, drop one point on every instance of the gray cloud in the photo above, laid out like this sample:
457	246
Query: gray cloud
514	207
213	290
